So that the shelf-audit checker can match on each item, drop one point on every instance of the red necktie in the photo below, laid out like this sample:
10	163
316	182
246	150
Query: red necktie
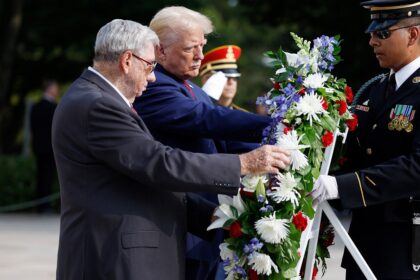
190	90
133	110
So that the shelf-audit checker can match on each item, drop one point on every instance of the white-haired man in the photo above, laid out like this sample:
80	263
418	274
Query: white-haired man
181	115
124	211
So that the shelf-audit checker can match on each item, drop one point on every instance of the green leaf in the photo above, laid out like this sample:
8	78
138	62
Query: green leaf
289	273
306	204
229	222
315	172
234	211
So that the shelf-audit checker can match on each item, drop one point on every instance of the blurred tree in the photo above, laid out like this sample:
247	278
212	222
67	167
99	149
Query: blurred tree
55	40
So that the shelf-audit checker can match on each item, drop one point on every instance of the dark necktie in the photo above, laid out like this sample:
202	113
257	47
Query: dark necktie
390	88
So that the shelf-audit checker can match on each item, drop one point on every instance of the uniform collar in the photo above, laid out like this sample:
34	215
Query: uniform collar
404	73
108	82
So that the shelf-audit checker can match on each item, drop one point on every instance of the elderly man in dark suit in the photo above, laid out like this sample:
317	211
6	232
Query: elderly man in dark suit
124	211
384	150
180	114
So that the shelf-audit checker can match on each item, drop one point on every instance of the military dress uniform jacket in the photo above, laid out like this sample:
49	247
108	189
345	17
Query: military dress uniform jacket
124	211
384	155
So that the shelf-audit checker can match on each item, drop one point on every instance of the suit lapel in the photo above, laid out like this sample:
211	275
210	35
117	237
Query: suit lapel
94	78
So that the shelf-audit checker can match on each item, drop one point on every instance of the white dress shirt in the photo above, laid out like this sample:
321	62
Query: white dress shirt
404	73
114	87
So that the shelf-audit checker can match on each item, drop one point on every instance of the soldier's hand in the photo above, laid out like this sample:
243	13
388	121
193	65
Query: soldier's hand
325	188
266	159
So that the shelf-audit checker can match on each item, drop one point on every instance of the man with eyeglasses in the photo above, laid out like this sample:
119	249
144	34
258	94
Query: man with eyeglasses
125	213
381	179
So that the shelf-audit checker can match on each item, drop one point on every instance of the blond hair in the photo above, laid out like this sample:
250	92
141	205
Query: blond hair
171	21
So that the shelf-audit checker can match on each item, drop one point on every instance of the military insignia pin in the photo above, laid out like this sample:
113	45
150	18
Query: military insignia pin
401	117
416	80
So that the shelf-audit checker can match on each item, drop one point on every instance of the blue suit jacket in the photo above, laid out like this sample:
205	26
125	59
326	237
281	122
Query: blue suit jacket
187	119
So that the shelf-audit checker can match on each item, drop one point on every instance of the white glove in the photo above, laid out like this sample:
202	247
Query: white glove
325	188
215	84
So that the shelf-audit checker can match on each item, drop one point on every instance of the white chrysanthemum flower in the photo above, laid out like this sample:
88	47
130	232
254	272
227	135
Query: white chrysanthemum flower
250	182
225	252
271	229
315	81
286	190
310	105
291	142
262	263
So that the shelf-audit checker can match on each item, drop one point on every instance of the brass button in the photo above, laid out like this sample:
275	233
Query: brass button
369	151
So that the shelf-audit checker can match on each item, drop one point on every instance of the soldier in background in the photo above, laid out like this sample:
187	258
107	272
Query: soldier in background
222	59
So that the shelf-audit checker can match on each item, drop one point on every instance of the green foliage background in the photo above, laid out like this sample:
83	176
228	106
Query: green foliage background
56	41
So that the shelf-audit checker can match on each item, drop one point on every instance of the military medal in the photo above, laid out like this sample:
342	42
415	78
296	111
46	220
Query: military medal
401	117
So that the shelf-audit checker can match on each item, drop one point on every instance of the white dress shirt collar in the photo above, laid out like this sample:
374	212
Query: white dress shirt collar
404	73
114	87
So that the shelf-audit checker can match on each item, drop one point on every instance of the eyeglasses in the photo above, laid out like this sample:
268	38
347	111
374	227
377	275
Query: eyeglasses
386	33
150	65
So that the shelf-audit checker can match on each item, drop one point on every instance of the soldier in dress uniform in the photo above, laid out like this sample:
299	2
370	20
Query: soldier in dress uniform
382	176
223	59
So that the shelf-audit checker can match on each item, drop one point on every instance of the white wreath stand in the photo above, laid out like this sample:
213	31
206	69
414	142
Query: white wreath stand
312	231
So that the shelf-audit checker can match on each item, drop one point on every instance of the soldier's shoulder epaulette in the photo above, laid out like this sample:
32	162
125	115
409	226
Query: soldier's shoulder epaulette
365	86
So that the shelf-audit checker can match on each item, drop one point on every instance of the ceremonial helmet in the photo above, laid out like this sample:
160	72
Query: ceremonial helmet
222	59
385	13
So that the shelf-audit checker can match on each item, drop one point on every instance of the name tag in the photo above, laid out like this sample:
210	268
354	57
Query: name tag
362	108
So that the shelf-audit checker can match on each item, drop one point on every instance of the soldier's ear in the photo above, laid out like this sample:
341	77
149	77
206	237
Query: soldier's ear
414	33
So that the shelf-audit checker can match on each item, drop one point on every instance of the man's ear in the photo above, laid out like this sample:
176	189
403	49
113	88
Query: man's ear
414	33
161	54
125	61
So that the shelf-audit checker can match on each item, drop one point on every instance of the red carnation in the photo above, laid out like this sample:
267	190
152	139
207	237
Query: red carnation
276	85
300	221
343	107
352	123
330	239
342	160
314	272
302	91
252	274
246	194
349	94
235	230
325	104
287	129
327	139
